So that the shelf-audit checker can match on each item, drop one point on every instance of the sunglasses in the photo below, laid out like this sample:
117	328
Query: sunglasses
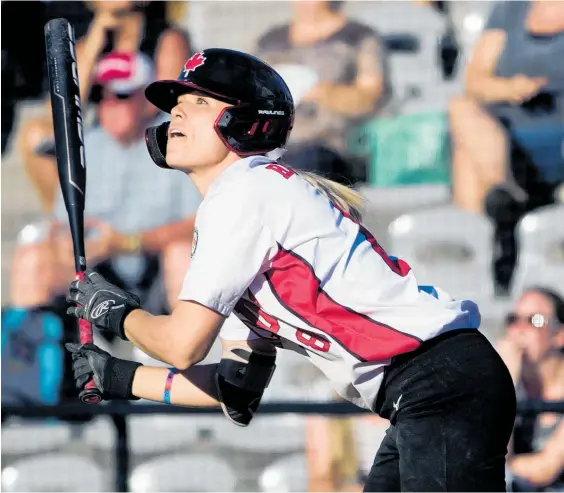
536	320
120	96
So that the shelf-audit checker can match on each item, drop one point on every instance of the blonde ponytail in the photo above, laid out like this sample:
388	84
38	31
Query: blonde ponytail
346	198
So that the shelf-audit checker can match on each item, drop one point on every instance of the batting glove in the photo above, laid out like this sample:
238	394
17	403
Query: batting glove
112	376
101	303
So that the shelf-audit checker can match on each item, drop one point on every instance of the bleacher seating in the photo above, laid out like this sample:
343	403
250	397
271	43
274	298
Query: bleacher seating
54	472
446	247
265	434
286	474
540	235
183	472
24	437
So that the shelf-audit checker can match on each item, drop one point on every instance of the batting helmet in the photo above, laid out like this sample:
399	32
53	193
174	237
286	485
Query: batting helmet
262	112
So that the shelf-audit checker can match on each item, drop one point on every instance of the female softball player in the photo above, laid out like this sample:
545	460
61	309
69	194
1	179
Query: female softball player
286	253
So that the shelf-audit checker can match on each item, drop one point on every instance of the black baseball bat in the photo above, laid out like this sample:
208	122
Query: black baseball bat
69	146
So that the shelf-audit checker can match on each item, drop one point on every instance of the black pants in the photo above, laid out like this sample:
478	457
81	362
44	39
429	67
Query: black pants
451	405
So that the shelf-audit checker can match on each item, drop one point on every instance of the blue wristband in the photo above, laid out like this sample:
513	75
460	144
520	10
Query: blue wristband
168	385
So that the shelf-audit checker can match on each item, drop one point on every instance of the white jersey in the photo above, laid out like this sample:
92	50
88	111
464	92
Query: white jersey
273	250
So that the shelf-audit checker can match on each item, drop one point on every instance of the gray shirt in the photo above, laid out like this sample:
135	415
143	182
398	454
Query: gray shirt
127	190
336	59
525	53
528	54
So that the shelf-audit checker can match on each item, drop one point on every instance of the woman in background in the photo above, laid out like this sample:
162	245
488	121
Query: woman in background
349	62
533	350
507	128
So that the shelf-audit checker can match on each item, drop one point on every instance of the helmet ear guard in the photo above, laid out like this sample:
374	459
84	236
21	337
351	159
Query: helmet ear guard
156	139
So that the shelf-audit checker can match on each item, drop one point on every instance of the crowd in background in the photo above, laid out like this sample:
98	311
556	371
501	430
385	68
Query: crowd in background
506	130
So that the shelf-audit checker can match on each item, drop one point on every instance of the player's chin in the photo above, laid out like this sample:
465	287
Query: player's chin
177	158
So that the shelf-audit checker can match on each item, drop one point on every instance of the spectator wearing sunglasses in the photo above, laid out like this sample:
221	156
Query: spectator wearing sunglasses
533	350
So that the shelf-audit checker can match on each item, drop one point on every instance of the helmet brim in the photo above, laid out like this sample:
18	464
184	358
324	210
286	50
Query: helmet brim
164	93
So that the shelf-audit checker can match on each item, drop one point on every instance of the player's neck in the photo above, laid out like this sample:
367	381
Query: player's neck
204	176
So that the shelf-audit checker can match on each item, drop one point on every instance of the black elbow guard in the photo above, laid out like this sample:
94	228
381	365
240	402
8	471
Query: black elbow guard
242	376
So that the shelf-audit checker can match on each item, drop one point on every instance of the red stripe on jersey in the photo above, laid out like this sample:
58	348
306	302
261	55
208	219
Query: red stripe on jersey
297	288
400	267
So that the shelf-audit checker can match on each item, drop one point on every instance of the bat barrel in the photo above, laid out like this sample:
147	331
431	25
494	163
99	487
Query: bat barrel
67	125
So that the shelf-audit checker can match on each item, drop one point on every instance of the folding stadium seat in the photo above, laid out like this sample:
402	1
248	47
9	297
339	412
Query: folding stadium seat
183	472
541	249
152	434
405	17
277	433
446	247
54	472
27	438
286	474
99	434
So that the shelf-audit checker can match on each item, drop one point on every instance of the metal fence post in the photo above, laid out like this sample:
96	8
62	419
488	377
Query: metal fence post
122	453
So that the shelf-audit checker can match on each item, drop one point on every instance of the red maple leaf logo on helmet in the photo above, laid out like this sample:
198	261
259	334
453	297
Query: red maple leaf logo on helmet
194	62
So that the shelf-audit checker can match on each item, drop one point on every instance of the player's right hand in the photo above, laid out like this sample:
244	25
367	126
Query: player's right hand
101	303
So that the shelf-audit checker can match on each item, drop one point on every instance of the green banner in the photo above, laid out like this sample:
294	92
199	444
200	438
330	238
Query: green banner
406	150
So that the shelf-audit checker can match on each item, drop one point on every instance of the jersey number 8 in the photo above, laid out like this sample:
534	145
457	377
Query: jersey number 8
270	324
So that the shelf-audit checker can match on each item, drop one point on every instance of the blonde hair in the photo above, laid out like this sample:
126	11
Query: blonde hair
345	198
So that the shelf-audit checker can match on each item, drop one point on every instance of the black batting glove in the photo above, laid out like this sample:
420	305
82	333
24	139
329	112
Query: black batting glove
101	303
112	376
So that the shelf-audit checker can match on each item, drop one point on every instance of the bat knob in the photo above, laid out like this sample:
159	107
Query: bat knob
90	396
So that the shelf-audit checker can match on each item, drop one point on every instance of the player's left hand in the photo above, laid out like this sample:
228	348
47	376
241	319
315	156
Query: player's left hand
112	376
101	303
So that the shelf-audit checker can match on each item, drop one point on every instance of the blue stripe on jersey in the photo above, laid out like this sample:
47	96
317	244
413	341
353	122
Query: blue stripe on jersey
340	217
357	241
429	290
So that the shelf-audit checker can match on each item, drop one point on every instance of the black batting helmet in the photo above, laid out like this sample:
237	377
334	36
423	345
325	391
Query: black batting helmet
262	114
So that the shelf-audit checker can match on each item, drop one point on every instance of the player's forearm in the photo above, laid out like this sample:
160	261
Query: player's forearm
155	240
148	332
348	100
194	387
163	338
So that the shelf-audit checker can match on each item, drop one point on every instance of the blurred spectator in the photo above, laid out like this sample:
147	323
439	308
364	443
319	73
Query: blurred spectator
509	127
533	349
448	45
121	26
336	69
340	450
139	219
369	431
19	64
331	456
